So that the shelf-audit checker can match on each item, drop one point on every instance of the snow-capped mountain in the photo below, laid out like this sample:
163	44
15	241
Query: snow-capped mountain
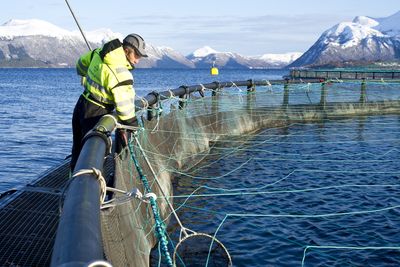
364	40
206	56
203	52
281	59
164	57
37	43
21	28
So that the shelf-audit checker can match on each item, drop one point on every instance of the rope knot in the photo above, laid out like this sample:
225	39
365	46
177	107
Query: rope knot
147	197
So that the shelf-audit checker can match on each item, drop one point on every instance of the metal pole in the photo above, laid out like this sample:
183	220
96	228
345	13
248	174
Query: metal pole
286	93
79	27
363	93
251	87
322	101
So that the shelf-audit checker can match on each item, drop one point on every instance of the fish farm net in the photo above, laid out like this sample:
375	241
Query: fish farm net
278	175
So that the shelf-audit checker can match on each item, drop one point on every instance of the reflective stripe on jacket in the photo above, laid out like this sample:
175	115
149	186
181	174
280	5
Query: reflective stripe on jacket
108	79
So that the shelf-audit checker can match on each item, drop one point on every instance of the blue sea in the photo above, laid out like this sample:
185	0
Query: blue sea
315	194
37	105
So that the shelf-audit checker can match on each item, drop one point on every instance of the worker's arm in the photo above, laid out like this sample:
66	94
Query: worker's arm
83	63
124	98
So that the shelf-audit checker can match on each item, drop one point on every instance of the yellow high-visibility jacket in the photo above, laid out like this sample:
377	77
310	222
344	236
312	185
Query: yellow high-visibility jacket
108	80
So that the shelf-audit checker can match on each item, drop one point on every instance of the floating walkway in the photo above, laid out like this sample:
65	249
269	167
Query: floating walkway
29	218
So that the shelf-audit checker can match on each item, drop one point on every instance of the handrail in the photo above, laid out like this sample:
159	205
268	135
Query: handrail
344	74
183	90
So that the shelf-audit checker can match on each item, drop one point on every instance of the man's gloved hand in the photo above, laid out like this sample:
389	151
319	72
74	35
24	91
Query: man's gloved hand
122	138
131	122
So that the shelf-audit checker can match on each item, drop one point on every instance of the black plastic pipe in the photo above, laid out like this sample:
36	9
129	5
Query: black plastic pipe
78	241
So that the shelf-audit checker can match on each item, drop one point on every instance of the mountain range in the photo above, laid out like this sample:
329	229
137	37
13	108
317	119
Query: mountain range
363	41
37	43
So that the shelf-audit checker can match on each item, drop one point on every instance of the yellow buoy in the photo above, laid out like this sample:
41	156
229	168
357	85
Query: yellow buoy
214	71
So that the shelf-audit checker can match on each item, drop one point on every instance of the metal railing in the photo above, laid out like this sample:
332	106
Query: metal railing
344	74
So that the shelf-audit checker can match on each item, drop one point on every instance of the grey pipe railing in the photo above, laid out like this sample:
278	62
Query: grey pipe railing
78	241
344	74
151	98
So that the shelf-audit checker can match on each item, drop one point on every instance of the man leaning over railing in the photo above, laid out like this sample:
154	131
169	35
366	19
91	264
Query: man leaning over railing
108	85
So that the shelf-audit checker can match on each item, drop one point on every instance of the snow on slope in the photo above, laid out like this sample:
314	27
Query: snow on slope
17	28
349	34
281	58
360	41
25	35
203	52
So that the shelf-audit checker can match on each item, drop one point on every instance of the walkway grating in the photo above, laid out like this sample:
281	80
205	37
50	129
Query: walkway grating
29	218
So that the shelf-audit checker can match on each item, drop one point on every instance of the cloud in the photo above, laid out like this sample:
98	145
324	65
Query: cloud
243	34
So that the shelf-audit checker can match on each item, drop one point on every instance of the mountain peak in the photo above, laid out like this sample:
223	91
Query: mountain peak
204	51
31	27
23	22
350	34
361	41
285	58
17	27
365	21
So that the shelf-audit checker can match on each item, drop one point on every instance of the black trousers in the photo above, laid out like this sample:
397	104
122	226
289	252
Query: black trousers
85	117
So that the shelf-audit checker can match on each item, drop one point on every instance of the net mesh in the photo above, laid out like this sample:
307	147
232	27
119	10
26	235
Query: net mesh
201	250
180	139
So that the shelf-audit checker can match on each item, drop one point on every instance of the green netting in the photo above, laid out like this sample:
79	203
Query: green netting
176	141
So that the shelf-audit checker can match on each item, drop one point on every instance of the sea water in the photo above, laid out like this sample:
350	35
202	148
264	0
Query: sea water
330	185
37	106
321	194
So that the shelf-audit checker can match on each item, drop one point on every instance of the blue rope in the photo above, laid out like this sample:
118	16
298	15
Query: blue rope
159	225
140	122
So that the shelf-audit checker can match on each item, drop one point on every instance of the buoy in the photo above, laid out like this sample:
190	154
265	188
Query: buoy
214	70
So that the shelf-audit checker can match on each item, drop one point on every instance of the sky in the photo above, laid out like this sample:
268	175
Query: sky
248	27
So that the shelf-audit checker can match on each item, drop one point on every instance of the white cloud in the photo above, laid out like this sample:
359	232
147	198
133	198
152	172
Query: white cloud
243	34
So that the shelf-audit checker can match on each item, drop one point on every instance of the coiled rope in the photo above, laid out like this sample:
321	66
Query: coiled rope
99	177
